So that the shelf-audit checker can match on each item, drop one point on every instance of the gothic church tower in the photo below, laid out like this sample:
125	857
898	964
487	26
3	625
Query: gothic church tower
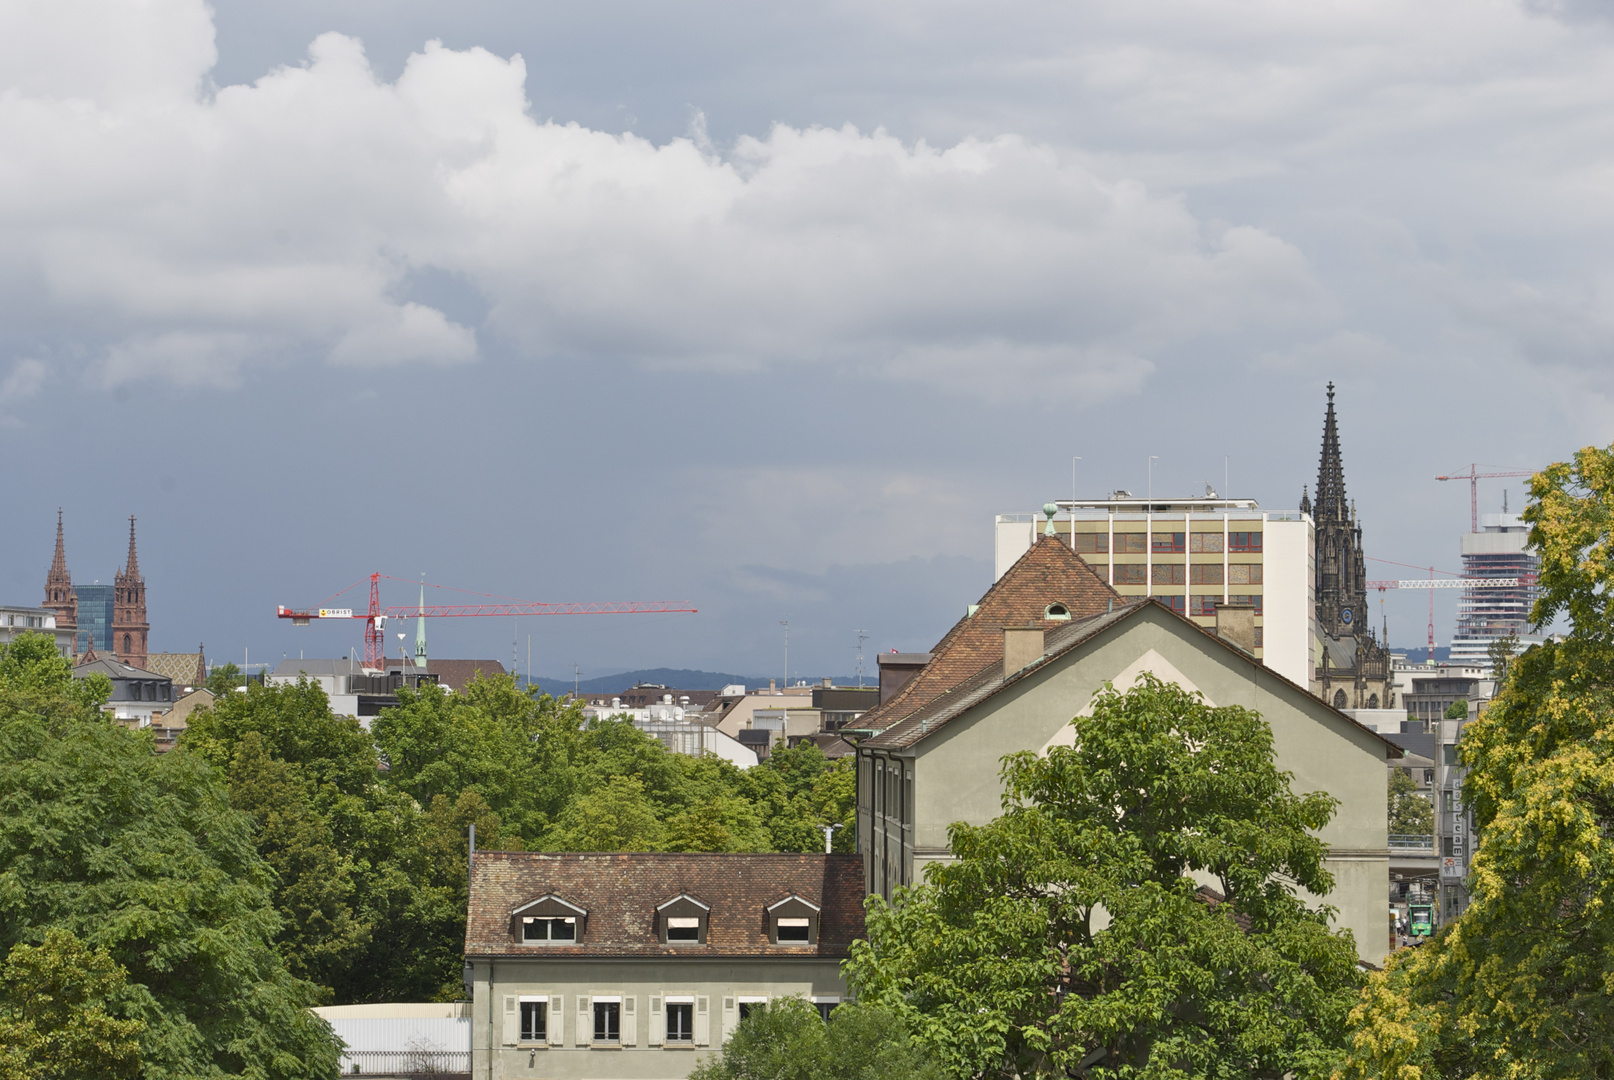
1353	667
129	626
59	587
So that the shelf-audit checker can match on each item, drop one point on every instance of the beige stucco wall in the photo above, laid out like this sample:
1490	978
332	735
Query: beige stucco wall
956	769
715	979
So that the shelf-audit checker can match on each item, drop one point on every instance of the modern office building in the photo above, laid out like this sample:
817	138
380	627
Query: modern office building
33	620
1484	616
1194	555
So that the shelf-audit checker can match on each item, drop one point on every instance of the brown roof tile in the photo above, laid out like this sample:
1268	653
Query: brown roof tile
1048	573
620	892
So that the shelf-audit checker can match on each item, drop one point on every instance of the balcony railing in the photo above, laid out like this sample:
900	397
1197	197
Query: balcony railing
1409	842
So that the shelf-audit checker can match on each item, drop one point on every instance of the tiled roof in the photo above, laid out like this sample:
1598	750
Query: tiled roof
180	667
940	711
1048	573
620	893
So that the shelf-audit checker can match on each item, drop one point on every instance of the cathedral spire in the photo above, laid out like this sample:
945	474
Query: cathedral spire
132	569
58	565
1330	503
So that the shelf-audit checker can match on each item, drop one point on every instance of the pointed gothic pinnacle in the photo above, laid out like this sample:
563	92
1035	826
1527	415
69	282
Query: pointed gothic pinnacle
133	568
59	563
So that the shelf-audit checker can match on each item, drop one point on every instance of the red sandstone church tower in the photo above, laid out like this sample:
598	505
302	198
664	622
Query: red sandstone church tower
129	626
59	594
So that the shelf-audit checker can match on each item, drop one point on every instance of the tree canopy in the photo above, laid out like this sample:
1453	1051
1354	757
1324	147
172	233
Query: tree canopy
787	1040
140	857
1518	985
1133	912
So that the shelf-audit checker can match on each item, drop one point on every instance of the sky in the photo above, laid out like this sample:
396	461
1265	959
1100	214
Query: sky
769	308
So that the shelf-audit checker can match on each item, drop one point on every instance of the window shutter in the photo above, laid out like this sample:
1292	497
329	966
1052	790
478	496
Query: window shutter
630	1019
658	1022
731	1018
511	1020
703	1023
585	1021
557	1016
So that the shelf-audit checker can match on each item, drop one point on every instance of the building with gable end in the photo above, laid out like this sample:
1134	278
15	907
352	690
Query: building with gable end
637	966
1012	682
1353	666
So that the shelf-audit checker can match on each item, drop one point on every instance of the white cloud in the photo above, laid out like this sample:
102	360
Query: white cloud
190	237
24	381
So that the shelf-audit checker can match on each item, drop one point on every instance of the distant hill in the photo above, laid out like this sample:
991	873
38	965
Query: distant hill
673	679
1420	654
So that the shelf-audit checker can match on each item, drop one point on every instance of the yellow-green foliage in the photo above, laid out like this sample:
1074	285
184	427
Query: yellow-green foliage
1522	985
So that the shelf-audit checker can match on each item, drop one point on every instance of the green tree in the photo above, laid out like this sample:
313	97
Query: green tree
1457	710
37	680
1072	937
1411	814
1501	653
788	1040
140	855
60	1013
296	725
1518	985
615	817
320	933
224	678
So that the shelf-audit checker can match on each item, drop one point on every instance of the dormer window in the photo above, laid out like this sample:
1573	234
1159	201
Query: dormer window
548	920
682	921
1057	613
793	921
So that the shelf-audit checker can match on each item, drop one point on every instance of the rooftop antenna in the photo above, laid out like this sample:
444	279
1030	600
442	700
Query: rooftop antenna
1073	462
1504	500
862	636
1152	459
577	680
1226	484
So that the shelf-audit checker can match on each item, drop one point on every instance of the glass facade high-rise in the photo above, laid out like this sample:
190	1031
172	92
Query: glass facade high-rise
95	617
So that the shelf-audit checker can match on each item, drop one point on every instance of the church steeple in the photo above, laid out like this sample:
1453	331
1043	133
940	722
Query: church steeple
1330	504
59	594
129	626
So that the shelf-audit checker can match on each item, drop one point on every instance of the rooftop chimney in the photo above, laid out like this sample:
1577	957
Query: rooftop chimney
826	684
1235	624
1022	646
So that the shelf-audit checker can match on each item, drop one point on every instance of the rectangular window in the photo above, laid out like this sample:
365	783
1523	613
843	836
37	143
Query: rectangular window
1253	601
747	1004
1130	543
1259	637
684	929
1205	543
1205	574
1091	543
534	1021
795	931
1175	603
1170	573
1204	605
680	1021
1244	541
607	1021
1164	542
825	1007
1244	574
1130	574
544	929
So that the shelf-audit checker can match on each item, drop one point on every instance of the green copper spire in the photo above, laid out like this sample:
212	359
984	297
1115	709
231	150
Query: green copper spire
420	628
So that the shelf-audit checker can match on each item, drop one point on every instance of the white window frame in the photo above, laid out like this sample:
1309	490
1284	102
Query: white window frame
678	999
532	999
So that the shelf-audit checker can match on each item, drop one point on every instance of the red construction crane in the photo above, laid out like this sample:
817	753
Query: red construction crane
1473	477
376	618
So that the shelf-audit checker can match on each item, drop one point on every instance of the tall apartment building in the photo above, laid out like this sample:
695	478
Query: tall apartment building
1498	550
1193	555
